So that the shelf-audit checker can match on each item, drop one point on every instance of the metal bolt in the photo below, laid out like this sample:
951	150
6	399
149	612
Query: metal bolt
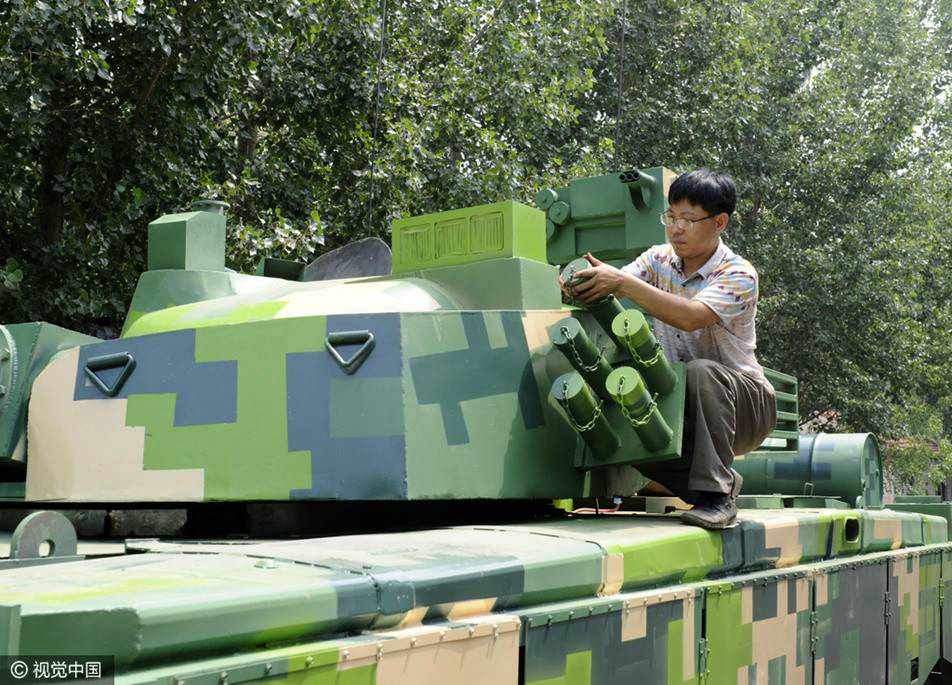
309	661
346	654
268	668
472	630
413	642
4	355
223	677
3	390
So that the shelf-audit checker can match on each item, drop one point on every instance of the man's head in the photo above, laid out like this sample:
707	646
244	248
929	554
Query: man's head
700	203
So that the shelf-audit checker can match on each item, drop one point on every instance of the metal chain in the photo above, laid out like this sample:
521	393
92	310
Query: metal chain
654	359
637	357
578	358
641	420
646	416
584	428
581	428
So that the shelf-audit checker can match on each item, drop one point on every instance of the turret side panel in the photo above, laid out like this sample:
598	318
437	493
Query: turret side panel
257	411
478	422
262	410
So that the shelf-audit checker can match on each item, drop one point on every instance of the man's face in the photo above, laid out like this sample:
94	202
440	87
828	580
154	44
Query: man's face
701	237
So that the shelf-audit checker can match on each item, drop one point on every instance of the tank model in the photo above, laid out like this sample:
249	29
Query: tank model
458	375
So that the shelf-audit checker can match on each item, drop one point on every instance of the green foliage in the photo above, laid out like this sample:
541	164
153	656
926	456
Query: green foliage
834	116
112	113
925	457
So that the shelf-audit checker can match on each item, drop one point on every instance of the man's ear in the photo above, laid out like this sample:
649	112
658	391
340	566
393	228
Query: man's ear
720	221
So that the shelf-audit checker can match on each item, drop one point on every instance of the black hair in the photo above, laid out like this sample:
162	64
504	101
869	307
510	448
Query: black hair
713	190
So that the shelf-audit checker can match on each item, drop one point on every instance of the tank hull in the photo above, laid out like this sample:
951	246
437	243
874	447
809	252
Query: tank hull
799	594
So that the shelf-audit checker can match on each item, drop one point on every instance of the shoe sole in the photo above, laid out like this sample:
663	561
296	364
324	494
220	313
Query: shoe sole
712	526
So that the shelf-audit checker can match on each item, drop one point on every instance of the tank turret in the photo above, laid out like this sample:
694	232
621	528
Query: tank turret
455	374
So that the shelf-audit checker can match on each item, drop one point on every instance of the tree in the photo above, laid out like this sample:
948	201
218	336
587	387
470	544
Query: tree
332	117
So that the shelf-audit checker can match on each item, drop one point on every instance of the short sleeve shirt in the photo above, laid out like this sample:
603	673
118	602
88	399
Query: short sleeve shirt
727	283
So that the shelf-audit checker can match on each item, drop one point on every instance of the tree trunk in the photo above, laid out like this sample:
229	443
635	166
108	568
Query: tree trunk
50	210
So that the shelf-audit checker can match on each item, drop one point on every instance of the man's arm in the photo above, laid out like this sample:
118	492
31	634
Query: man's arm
680	312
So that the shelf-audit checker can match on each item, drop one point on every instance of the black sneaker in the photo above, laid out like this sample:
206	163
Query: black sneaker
713	511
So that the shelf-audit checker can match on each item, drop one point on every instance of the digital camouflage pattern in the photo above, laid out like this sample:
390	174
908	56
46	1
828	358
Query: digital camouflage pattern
484	649
597	600
262	411
25	350
433	383
238	391
228	386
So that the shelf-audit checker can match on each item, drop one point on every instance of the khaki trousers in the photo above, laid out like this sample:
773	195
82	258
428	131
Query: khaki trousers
726	412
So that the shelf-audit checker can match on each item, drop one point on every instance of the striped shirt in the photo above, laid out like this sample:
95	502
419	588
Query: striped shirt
727	283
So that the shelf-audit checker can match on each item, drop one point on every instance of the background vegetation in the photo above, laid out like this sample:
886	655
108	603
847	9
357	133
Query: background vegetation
332	117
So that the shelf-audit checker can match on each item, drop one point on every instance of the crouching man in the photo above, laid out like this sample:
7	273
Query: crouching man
703	298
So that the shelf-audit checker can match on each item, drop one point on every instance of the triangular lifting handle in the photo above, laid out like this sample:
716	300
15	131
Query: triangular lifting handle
110	361
363	338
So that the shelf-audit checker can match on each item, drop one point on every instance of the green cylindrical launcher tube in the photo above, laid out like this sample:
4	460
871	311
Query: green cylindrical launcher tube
572	341
606	309
576	265
632	330
585	413
546	198
628	389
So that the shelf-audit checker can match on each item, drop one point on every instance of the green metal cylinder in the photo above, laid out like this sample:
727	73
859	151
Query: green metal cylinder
628	389
632	330
570	269
605	311
847	466
572	341
582	408
560	212
545	198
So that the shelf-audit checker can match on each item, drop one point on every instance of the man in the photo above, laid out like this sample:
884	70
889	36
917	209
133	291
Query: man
703	298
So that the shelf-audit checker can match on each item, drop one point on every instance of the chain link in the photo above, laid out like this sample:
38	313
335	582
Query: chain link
646	415
634	354
581	428
644	418
578	358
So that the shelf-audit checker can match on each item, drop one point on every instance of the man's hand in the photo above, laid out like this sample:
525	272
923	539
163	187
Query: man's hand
598	281
566	290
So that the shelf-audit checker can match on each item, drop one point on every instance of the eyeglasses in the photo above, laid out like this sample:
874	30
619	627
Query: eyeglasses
683	224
